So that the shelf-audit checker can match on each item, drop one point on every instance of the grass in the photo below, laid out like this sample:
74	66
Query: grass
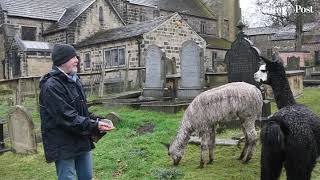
124	154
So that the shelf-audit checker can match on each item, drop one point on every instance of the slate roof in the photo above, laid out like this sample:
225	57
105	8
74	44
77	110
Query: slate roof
311	39
283	36
191	7
38	9
125	32
34	45
279	29
217	43
70	14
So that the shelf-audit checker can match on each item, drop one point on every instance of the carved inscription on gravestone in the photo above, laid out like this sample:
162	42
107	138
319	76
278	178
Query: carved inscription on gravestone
192	70
21	131
243	61
190	65
155	72
153	68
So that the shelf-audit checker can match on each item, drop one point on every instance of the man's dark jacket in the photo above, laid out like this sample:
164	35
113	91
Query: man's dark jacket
65	124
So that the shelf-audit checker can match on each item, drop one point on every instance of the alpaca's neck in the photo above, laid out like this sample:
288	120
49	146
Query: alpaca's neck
180	142
281	91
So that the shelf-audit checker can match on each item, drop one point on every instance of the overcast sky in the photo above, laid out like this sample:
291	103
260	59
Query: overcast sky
251	14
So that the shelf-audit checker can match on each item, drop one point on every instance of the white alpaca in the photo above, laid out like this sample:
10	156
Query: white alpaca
219	104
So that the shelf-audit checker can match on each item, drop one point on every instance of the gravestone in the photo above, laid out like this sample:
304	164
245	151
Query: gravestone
155	73
114	117
242	59
192	70
293	63
21	131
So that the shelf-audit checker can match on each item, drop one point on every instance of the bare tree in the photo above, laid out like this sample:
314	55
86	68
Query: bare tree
287	12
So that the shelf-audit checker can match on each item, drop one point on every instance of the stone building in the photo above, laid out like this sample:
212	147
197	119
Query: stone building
125	47
282	40
75	22
55	21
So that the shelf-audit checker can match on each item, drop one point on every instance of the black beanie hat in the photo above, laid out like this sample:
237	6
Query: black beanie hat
61	53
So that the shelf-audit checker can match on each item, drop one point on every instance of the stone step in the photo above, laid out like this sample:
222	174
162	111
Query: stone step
311	82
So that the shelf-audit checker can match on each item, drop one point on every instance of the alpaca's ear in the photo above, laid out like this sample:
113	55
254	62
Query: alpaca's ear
166	145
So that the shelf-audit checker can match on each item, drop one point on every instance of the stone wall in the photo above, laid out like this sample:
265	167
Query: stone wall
170	36
41	25
295	79
263	42
219	64
136	13
38	65
87	24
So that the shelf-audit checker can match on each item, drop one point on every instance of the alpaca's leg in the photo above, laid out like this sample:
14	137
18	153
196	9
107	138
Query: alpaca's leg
251	138
243	152
212	145
203	147
301	153
272	153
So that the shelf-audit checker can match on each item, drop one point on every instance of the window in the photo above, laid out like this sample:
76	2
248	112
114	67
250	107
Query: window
31	53
28	33
156	13
142	17
101	15
114	57
214	58
87	61
203	27
121	57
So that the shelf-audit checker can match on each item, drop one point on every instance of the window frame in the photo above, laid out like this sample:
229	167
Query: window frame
29	27
112	62
85	61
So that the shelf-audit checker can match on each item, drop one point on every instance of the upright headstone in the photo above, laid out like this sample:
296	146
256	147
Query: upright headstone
155	73
242	59
192	70
21	131
114	117
293	63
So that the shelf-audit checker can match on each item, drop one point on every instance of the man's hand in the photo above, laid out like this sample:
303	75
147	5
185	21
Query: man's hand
102	126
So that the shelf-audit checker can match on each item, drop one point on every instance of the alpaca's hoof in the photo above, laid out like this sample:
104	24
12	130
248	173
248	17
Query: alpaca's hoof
201	165
245	161
210	161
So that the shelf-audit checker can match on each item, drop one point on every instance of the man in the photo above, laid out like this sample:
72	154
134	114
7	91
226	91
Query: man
65	124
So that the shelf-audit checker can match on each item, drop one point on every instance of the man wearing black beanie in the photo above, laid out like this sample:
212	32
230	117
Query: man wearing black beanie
66	125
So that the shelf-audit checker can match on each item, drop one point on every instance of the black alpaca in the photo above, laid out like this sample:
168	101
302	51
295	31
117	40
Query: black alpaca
291	137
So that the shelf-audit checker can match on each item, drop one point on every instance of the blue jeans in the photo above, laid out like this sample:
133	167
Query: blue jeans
79	166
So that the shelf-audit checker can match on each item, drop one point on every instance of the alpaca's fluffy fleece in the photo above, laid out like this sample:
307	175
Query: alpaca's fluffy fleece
228	102
291	137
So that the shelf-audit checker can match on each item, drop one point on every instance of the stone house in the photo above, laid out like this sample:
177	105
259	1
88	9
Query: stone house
75	21
282	40
124	48
43	21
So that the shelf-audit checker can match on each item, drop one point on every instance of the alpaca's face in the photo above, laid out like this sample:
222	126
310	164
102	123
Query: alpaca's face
261	75
176	159
175	156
